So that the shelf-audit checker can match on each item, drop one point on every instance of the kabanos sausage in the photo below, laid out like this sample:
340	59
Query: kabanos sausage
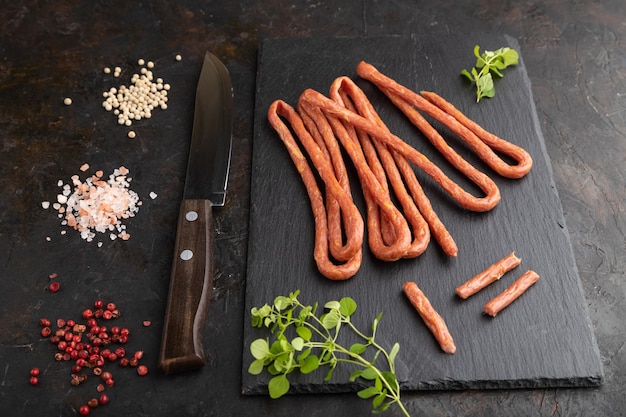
345	92
416	205
512	293
462	197
432	319
469	131
355	229
489	275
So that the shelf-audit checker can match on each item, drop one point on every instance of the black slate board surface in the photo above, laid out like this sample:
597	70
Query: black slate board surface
544	339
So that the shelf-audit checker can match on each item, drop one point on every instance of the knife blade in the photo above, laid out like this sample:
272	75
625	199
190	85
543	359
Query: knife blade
191	278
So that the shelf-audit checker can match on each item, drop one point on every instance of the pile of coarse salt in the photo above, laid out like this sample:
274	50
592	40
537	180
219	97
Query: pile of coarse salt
97	206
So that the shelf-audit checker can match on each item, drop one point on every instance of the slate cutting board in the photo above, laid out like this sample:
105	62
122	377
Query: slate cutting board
544	339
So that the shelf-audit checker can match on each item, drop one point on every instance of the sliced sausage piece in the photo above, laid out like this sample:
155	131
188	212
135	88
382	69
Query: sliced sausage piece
512	293
491	274
432	319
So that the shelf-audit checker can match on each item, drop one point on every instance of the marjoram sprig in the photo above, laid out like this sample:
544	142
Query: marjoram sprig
305	342
488	63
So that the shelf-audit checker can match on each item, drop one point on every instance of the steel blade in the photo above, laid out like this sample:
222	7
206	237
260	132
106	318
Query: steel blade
211	139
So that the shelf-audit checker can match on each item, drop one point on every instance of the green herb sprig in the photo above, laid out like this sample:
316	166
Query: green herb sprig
488	63
315	344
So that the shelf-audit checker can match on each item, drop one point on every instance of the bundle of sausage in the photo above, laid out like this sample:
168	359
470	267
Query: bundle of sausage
346	119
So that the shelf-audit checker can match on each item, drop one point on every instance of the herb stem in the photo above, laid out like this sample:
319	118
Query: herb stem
317	344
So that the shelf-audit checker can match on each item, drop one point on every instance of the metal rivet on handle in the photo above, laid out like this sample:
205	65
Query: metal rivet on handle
186	255
191	216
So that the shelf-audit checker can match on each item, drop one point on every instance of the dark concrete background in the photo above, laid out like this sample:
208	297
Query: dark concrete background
575	57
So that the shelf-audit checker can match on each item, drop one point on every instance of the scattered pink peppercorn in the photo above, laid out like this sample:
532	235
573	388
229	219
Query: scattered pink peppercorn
88	344
104	399
54	286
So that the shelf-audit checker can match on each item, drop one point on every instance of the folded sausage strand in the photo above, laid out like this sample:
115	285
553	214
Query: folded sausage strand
462	197
354	221
475	136
482	137
377	196
383	164
346	93
417	206
336	222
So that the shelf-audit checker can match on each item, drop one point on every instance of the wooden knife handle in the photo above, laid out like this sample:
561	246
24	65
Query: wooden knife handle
191	283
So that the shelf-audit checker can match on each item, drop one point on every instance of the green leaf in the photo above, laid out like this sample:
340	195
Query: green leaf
378	400
347	306
485	87
358	348
477	52
375	324
305	313
259	315
301	357
390	378
382	408
368	392
485	82
281	302
394	352
355	375
310	364
329	375
332	305
260	349
272	370
278	386
283	363
467	75
327	353
369	374
509	56
331	319
256	367
378	384
285	346
304	332
297	343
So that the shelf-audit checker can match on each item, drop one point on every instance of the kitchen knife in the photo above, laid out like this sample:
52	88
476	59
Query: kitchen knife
191	279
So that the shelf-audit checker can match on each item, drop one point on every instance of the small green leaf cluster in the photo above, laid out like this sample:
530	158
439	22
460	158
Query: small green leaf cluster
488	63
312	343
